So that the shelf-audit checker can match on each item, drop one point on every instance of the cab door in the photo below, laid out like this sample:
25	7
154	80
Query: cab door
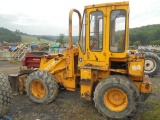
119	30
96	45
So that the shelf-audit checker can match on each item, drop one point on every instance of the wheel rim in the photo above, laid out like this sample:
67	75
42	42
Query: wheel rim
115	100
150	65
37	89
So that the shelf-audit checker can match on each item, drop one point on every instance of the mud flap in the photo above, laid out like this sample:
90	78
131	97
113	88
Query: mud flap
146	88
13	80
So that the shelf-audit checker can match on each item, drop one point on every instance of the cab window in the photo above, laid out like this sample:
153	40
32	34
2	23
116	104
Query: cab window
82	39
117	30
96	31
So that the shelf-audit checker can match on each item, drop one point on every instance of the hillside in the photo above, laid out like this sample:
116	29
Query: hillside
8	36
144	34
29	39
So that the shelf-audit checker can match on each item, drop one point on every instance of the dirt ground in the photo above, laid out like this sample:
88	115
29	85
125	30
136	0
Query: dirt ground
67	105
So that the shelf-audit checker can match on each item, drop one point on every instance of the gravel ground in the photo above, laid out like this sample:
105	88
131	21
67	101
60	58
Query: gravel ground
69	106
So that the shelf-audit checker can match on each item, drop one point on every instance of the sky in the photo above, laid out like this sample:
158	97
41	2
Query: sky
50	17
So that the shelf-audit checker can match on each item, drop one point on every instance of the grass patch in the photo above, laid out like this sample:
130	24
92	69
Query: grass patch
29	39
153	113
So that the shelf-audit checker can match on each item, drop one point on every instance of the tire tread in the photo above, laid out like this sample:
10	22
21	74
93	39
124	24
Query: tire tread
49	80
5	95
118	79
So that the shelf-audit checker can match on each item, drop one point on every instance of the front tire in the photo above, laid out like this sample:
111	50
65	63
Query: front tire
116	97
41	87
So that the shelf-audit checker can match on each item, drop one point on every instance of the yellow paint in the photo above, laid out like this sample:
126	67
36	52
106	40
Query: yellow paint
37	89
115	100
136	68
92	66
146	88
86	83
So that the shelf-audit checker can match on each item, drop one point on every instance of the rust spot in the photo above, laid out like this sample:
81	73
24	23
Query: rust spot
147	86
87	96
146	79
86	82
96	57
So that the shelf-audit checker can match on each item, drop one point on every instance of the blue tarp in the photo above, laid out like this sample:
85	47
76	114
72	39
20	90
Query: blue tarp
13	48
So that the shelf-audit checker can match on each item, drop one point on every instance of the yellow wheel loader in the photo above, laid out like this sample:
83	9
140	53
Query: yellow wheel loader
100	66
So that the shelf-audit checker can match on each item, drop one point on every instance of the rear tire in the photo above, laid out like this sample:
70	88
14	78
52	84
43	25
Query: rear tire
152	64
5	95
41	87
116	97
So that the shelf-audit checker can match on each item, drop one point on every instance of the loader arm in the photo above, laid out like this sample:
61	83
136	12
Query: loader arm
64	66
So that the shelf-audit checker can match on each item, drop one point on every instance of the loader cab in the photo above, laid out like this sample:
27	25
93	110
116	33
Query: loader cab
104	34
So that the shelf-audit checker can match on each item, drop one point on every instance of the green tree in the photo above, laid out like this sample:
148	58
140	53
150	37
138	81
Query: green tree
9	36
38	38
60	39
155	43
137	43
145	34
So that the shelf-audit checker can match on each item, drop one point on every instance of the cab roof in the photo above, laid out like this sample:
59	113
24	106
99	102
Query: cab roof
107	4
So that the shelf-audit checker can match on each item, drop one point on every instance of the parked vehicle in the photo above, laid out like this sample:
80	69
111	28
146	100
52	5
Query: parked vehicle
101	67
32	59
